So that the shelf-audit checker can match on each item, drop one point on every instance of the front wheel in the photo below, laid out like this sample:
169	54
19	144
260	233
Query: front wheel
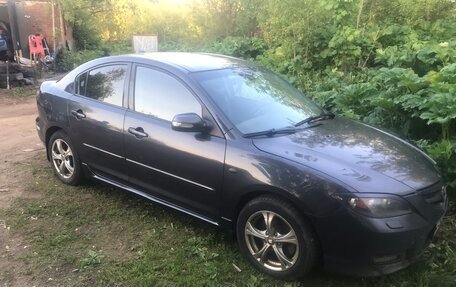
276	239
64	159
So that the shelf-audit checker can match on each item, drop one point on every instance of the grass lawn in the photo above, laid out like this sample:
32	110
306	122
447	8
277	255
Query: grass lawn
17	94
95	235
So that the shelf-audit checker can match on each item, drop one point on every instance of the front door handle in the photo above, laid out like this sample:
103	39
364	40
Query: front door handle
79	114
137	132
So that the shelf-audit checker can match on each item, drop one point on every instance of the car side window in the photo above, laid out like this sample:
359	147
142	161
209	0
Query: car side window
81	82
105	84
70	88
163	96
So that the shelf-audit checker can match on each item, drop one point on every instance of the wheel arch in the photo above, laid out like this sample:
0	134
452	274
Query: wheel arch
287	204
49	132
274	192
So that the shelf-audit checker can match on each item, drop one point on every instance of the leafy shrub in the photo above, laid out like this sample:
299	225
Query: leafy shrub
86	37
242	47
388	63
92	259
113	48
444	153
171	46
66	61
420	108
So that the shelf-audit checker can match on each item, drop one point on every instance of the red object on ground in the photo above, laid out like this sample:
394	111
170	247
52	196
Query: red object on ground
36	47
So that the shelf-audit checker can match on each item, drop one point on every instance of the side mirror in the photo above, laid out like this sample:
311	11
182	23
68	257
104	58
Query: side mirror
189	122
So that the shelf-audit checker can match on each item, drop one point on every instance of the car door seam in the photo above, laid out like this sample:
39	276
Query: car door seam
170	174
102	150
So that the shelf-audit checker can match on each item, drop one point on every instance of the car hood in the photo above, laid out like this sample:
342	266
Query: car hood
363	157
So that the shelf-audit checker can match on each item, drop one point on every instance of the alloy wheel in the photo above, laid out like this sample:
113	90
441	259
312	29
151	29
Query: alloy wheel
62	158
271	240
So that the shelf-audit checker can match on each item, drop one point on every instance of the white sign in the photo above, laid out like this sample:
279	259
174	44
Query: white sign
144	44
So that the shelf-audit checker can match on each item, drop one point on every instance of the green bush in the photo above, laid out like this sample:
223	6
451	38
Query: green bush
444	153
422	109
113	48
67	61
388	63
241	47
86	37
169	46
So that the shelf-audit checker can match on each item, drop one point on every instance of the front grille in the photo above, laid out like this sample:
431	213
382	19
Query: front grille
434	194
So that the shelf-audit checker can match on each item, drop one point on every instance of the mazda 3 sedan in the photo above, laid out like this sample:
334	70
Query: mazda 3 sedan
233	144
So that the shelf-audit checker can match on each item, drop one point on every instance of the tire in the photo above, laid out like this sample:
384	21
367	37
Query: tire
288	249
64	159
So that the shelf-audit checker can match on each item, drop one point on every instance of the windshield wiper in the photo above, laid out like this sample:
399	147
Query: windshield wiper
322	116
271	132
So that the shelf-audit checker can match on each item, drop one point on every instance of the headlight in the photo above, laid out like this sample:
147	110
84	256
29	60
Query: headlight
379	206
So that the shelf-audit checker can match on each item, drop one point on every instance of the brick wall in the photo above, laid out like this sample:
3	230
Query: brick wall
35	17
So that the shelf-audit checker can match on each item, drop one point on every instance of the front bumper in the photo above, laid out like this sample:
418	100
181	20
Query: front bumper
357	245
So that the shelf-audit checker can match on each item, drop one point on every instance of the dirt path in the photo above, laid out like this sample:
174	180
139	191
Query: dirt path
18	142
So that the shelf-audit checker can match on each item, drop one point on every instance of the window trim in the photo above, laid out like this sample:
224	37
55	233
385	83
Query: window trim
206	113
76	82
125	95
131	101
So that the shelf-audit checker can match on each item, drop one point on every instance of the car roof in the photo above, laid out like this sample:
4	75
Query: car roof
192	62
180	61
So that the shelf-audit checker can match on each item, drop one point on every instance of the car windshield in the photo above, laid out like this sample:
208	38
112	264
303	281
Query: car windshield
255	99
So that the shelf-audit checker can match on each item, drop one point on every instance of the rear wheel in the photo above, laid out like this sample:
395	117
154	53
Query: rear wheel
64	159
276	239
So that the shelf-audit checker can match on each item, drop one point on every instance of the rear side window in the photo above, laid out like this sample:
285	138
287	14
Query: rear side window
81	82
105	84
161	95
70	88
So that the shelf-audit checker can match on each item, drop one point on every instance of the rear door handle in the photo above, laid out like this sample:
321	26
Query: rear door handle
79	114
137	132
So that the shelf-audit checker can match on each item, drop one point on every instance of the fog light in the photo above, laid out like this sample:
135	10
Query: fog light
387	259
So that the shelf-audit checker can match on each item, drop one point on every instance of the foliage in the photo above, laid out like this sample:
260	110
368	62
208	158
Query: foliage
82	16
86	37
391	63
366	64
92	259
444	152
67	61
243	47
402	101
237	46
117	47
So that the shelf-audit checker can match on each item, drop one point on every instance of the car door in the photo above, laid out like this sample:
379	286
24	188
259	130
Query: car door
182	167
96	118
